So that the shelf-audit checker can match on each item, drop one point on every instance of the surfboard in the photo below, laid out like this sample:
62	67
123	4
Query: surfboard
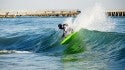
69	38
73	43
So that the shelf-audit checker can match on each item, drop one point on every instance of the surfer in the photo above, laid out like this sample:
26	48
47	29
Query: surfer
66	29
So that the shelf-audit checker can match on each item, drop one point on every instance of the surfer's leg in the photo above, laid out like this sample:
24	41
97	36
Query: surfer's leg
63	35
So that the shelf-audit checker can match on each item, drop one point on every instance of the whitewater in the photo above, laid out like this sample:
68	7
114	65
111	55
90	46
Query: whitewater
33	43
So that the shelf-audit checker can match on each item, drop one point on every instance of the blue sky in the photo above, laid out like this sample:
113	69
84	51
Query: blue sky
60	4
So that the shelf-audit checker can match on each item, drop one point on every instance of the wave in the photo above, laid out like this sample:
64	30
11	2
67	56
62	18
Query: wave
97	33
106	42
102	50
40	41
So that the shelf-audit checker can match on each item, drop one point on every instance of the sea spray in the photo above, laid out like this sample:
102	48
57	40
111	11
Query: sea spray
92	19
68	21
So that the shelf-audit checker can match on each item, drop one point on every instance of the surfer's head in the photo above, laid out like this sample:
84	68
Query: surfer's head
60	26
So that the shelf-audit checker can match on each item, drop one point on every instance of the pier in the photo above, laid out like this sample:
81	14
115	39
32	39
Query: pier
40	13
117	13
53	13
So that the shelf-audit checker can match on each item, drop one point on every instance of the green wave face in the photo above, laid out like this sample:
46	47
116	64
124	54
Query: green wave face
86	40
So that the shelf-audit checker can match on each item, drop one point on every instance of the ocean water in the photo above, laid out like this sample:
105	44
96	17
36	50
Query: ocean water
30	43
33	43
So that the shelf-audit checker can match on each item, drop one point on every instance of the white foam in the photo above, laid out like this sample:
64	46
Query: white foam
13	51
93	19
22	52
